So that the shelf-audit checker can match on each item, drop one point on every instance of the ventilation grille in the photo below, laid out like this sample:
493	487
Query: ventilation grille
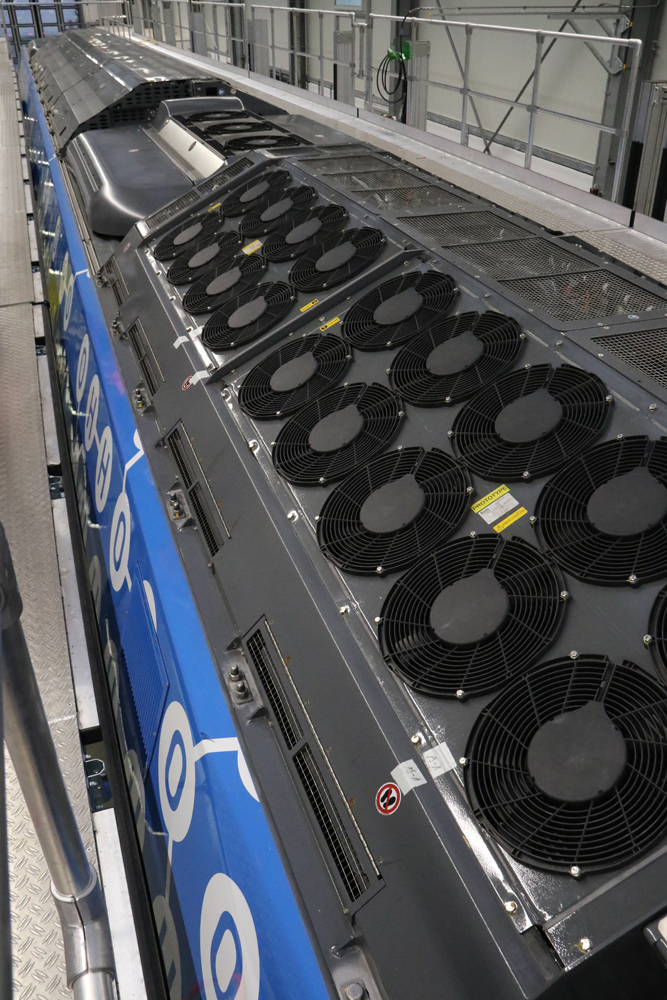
191	197
116	281
645	350
148	363
343	164
285	717
402	198
469	227
373	179
522	259
200	497
584	296
328	818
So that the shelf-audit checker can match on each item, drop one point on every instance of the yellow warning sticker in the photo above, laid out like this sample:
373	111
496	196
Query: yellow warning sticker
309	305
514	516
332	322
252	247
489	498
212	208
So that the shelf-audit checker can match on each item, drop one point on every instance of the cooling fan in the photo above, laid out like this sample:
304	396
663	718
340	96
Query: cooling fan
205	255
567	768
339	430
220	283
304	231
337	259
398	310
656	639
452	360
242	125
187	235
215	116
244	144
294	375
603	518
530	422
389	513
471	615
247	316
246	197
273	213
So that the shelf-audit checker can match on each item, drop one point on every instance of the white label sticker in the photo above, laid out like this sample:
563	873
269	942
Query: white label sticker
407	775
439	760
498	508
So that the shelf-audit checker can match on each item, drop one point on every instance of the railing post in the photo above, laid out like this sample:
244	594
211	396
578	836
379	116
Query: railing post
273	42
466	86
320	17
74	884
625	127
368	62
539	42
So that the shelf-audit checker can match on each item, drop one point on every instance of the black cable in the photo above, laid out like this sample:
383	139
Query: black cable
400	91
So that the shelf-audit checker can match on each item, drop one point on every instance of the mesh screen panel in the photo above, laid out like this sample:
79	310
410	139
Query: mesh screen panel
645	350
587	295
469	227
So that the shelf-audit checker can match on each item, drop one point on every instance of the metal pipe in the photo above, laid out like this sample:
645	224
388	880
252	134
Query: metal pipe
320	89
74	884
539	42
273	42
466	79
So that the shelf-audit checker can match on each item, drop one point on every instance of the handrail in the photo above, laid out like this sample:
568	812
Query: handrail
74	884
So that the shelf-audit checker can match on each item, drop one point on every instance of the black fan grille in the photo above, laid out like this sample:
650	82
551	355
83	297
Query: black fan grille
218	335
588	295
276	180
436	667
458	228
585	408
657	630
259	400
247	126
181	273
197	300
367	242
575	837
202	225
253	225
522	259
345	539
300	464
245	143
362	330
332	217
501	340
566	532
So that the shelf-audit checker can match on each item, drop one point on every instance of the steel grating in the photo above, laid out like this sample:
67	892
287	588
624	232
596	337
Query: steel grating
522	259
644	350
585	296
408	199
465	227
343	164
372	179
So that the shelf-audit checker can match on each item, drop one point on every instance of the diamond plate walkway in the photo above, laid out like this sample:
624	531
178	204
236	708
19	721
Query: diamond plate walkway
27	513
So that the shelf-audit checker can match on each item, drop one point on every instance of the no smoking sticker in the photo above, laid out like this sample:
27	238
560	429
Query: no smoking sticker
388	798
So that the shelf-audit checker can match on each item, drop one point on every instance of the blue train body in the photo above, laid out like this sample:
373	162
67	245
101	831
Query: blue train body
227	919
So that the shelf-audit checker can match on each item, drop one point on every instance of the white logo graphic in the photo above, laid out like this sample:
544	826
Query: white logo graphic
177	757
121	529
103	468
92	409
171	957
82	368
228	943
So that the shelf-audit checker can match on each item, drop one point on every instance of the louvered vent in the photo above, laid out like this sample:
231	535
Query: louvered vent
116	281
200	498
191	197
148	363
285	716
645	350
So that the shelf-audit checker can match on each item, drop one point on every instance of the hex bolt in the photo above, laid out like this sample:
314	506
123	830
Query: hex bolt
575	870
234	671
526	474
632	578
574	655
416	739
344	609
564	594
378	569
378	619
510	906
355	991
532	519
609	398
470	490
460	694
619	437
450	434
647	640
463	761
653	407
241	687
585	944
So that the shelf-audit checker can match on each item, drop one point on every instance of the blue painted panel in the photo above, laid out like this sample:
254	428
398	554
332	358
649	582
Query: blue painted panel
211	862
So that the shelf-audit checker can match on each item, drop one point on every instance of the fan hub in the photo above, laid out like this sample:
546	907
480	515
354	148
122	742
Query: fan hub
204	256
254	192
398	308
336	430
628	504
276	210
304	232
578	756
187	234
455	355
529	417
336	257
294	373
224	281
470	609
392	506
248	313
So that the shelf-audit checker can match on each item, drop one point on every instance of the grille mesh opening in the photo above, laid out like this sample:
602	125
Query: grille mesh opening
116	281
150	369
522	259
285	717
469	227
344	855
402	198
343	164
371	179
176	447
155	220
211	536
645	350
587	295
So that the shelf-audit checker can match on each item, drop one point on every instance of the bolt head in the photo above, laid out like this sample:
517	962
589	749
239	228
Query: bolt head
473	534
343	609
450	434
564	594
526	474
378	569
574	655
510	906
460	694
355	991
647	640
619	437
609	398
448	399
585	944
469	490
559	343
632	578
463	761
378	619
653	407
575	870
532	519
416	740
